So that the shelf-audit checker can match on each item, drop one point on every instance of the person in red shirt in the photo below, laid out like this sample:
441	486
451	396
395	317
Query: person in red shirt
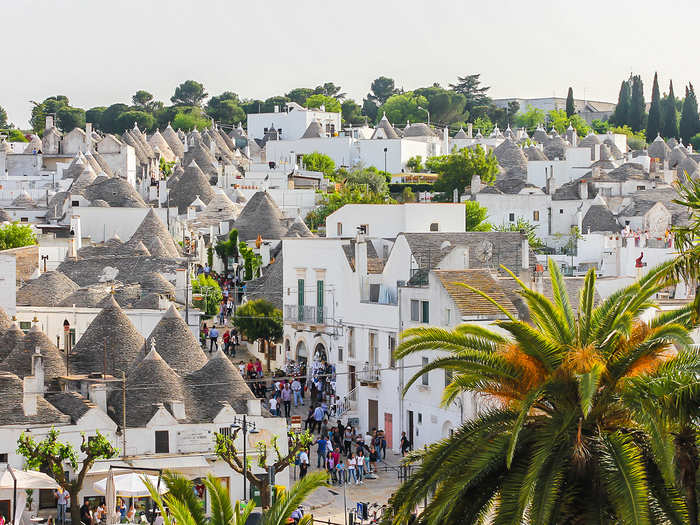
258	368
250	368
227	340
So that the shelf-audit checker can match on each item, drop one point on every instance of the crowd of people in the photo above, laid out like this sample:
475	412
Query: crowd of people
640	237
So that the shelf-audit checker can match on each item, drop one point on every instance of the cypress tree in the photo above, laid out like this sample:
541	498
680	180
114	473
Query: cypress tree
654	121
690	121
570	108
636	111
623	105
669	116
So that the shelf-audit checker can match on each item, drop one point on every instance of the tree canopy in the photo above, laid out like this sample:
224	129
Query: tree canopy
318	100
570	106
3	117
210	294
189	93
403	107
689	124
455	171
474	93
259	320
654	119
16	235
476	215
319	162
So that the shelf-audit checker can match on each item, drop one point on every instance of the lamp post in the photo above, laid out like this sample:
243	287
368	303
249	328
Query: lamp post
247	427
428	112
345	502
385	150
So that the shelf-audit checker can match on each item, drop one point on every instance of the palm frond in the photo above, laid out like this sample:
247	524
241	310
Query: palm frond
287	501
588	387
221	509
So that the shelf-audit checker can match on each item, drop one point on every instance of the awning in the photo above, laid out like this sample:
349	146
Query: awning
27	479
184	464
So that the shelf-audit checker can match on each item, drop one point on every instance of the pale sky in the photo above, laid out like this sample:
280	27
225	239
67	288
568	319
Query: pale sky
99	52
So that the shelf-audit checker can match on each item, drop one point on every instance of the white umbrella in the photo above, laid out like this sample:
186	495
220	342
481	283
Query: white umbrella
24	479
130	485
111	499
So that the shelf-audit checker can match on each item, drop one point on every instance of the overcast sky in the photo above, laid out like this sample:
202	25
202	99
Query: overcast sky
98	52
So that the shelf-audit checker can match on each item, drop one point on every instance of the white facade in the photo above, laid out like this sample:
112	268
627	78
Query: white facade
292	121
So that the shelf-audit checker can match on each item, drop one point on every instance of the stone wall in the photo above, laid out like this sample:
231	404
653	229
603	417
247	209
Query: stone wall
27	260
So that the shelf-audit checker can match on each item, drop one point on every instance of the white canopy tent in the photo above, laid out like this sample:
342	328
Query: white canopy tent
22	480
130	485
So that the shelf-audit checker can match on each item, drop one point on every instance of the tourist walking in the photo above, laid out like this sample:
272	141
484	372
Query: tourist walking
286	399
213	338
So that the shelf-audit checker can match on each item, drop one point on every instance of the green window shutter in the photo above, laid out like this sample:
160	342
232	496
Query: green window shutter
319	301
300	299
426	312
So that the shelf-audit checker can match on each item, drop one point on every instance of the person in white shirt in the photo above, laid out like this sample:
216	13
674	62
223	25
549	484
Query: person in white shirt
273	406
352	468
296	389
303	463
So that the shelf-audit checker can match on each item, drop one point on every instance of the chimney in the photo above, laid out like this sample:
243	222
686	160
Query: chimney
49	122
29	396
180	284
177	408
470	128
88	128
476	184
38	370
525	247
583	190
77	231
361	264
277	108
212	147
265	253
446	141
97	393
254	407
579	220
190	212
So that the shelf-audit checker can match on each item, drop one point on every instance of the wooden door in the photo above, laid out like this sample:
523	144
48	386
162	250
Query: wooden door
373	411
351	374
389	430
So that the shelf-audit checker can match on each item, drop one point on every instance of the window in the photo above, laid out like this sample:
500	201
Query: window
300	299
339	229
434	227
392	347
351	342
319	301
641	187
25	325
426	311
536	215
511	217
448	377
374	293
415	310
448	316
561	212
340	353
425	378
75	203
420	418
162	442
3	457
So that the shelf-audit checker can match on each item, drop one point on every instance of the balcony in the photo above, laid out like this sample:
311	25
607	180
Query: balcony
370	374
307	314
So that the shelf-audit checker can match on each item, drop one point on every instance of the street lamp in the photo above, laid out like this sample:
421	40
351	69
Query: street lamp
428	112
345	502
246	427
385	150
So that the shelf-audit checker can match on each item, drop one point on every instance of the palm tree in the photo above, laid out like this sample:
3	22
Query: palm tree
687	263
186	509
557	442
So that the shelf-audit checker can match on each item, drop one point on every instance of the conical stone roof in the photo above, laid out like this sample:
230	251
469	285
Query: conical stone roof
177	344
314	131
114	191
178	171
589	141
217	381
299	229
23	200
104	166
124	344
5	322
260	216
204	159
157	141
19	360
511	158
9	340
192	182
155	282
152	227
87	297
49	289
157	249
460	135
174	142
534	153
150	382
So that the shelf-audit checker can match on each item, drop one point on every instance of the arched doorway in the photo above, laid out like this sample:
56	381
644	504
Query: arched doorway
302	353
320	352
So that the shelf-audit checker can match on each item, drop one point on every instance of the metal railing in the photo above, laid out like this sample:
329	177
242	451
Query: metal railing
343	404
305	314
370	373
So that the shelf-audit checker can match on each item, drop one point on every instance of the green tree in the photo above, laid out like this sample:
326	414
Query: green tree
14	135
299	95
366	179
228	249
50	106
415	164
209	293
270	103
557	118
142	99
226	109
455	171
476	217
446	106
474	93
329	103
600	126
555	424
690	122
570	106
319	162
334	201
654	120
251	261
669	124
189	118
68	118
126	120
108	121
3	117
181	506
51	456
165	168
330	90
351	112
370	109
530	118
16	235
483	125
94	116
381	89
522	225
407	195
636	112
695	141
189	93
622	109
404	107
259	320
